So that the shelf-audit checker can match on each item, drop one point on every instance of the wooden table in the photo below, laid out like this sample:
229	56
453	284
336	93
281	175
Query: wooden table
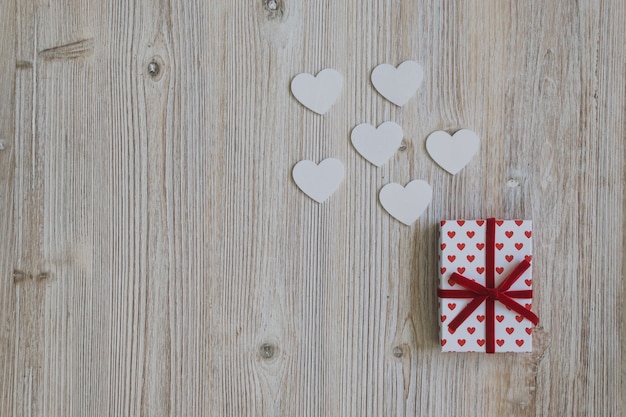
157	259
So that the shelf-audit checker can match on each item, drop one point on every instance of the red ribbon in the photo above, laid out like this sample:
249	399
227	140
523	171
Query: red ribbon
489	293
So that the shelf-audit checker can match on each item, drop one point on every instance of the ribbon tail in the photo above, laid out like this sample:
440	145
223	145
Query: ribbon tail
518	308
464	314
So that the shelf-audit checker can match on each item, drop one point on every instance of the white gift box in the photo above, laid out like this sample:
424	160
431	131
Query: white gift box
464	255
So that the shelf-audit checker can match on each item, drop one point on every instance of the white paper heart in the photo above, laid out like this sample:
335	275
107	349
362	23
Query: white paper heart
452	153
377	145
317	93
406	203
318	181
398	85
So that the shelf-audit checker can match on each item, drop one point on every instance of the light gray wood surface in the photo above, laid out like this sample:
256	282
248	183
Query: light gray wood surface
158	260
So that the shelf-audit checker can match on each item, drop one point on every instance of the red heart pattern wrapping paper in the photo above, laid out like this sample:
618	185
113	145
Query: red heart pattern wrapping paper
462	248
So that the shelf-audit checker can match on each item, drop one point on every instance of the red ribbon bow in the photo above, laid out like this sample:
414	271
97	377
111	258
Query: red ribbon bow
489	293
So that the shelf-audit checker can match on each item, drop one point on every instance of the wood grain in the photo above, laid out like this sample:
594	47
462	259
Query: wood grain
157	258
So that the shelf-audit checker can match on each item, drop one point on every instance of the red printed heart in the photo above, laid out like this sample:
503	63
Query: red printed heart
451	234
442	222
480	246
443	270
529	330
481	342
470	233
499	270
451	306
471	330
480	270
528	306
528	233
471	258
519	246
451	331
528	282
509	258
480	318
509	234
528	258
499	222
480	222
500	342
461	246
451	258
443	342
519	342
460	222
499	246
499	318
519	222
451	282
510	330
460	270
461	342
442	246
519	318
443	318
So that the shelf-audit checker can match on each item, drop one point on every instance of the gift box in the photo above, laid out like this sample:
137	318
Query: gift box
485	289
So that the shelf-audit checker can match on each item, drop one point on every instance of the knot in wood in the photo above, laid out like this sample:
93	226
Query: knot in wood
512	183
398	352
154	68
19	276
274	7
267	351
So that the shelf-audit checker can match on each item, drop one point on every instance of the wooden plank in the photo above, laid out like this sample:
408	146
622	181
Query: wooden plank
7	131
170	266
